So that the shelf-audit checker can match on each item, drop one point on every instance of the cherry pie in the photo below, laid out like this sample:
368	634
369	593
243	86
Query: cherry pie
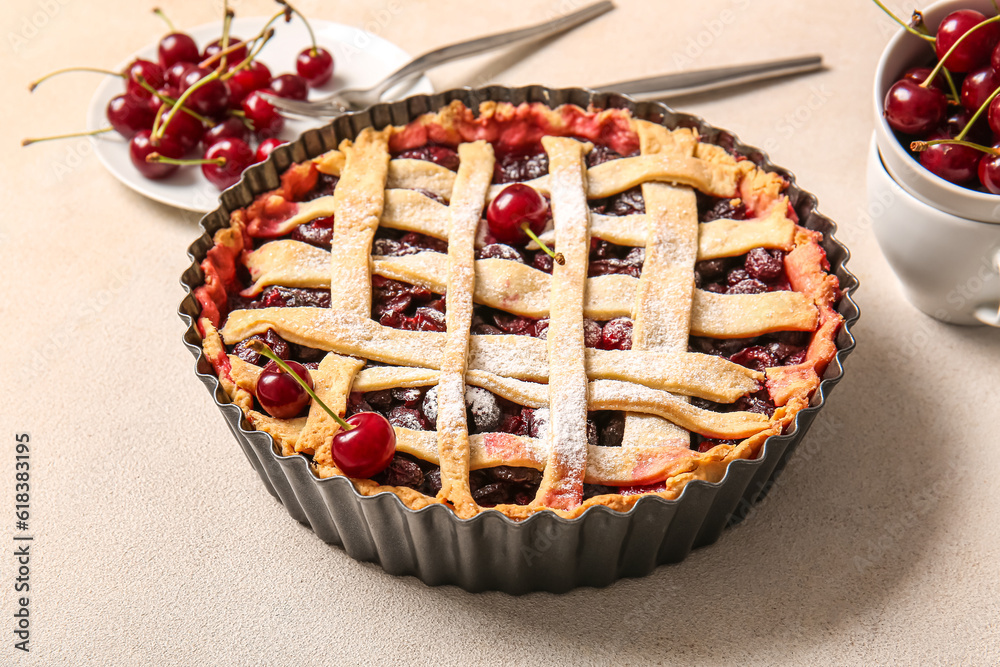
691	319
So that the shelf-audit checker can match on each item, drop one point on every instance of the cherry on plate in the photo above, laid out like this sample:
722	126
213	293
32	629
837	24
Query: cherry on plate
266	121
129	115
255	76
177	47
236	156
315	65
267	147
234	56
141	146
150	72
230	128
290	86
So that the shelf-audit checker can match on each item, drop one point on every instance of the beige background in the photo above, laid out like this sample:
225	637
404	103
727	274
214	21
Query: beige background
156	542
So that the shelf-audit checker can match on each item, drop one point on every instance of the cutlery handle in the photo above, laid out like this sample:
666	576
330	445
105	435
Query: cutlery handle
482	44
699	81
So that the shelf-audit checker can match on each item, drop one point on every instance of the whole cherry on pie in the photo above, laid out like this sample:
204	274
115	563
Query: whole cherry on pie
279	393
367	448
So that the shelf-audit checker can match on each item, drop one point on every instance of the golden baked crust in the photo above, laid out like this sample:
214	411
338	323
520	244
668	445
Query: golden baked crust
652	382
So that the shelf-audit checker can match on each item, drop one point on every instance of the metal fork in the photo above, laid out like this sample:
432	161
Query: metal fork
357	98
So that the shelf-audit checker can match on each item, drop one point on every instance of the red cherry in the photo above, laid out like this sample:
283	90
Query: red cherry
184	129
266	147
989	172
919	74
173	77
177	47
209	99
978	85
140	146
993	115
266	120
129	115
516	204
255	76
234	56
230	128
912	109
290	86
366	449
149	71
975	49
279	393
315	65
237	155
951	162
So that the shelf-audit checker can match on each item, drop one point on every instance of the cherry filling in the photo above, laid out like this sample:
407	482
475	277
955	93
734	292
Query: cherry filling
608	259
403	306
325	185
628	202
760	270
396	243
441	155
416	408
523	164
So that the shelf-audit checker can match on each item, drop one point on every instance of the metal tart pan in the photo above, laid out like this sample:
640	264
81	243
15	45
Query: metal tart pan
489	551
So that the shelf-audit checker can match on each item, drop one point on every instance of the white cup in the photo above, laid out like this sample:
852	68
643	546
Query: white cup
902	52
949	266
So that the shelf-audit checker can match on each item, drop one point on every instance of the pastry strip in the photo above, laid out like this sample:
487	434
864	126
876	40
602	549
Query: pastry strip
358	202
519	357
562	481
467	202
610	178
661	316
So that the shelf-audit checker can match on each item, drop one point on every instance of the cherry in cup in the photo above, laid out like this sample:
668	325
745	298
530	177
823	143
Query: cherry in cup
975	49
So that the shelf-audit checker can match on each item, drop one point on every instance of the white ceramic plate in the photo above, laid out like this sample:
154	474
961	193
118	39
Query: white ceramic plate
360	59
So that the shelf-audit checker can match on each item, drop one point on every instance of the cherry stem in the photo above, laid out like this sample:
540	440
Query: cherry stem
156	122
235	46
979	112
169	101
920	146
170	24
900	22
96	70
88	133
158	132
958	42
312	36
262	348
226	24
253	54
556	256
163	159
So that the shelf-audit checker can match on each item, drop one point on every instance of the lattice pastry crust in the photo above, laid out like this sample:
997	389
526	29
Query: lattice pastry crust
652	382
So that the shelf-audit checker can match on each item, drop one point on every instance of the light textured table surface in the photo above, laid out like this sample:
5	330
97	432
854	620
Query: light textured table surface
156	543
